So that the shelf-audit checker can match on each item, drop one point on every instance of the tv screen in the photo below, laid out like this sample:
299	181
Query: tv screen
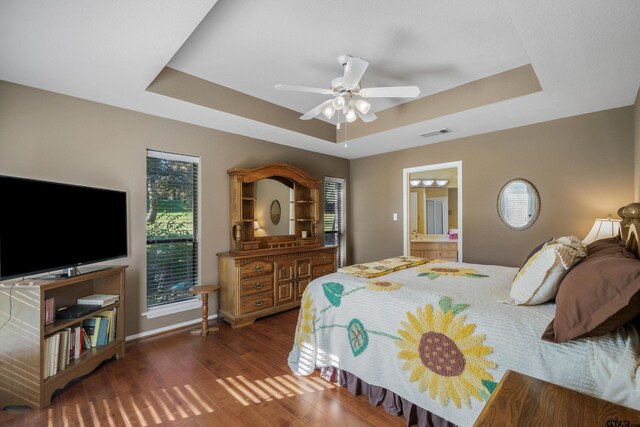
46	226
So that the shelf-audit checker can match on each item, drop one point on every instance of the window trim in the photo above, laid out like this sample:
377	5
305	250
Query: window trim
172	308
194	302
343	195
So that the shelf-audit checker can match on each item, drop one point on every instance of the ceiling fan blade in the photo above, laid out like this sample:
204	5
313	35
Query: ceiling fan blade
304	89
390	92
369	117
353	72
311	114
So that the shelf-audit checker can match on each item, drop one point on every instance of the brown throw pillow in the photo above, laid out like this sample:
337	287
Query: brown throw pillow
598	295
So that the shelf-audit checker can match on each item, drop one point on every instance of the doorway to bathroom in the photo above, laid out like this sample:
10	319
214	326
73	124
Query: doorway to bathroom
432	210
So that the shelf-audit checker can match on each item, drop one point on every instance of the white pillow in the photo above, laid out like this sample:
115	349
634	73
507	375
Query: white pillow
539	278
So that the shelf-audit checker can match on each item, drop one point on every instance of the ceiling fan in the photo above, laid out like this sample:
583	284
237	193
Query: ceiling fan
348	95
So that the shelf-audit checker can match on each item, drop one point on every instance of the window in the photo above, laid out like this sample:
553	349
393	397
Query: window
172	227
334	216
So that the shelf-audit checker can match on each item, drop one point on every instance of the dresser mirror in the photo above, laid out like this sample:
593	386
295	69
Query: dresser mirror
518	204
273	206
274	211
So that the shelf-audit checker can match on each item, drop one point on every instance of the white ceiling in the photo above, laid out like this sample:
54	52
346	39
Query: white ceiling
585	53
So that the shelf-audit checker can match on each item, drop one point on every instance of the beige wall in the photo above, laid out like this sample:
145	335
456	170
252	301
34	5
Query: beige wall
54	137
636	119
582	166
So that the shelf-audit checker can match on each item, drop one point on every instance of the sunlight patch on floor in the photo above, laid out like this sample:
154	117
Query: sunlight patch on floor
150	408
268	389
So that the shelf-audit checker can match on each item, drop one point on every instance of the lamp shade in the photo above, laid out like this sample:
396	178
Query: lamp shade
602	229
256	226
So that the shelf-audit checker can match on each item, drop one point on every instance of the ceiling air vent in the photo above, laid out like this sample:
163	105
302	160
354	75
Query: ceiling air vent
435	132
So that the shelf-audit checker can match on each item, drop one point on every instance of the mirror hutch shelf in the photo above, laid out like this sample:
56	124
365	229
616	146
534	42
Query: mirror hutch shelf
263	274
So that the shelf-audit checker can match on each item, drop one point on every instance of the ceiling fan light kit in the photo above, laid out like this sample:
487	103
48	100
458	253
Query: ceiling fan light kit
348	93
350	115
328	111
362	106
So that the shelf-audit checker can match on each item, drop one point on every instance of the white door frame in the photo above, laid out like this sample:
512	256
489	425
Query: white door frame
405	200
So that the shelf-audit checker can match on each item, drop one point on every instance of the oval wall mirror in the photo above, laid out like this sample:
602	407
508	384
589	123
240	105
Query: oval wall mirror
518	204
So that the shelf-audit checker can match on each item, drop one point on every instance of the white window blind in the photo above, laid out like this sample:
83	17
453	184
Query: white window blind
517	204
172	227
334	216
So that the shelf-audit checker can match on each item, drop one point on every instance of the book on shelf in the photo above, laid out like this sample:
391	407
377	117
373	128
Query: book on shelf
99	299
63	350
55	354
92	327
103	330
86	341
110	317
78	342
49	311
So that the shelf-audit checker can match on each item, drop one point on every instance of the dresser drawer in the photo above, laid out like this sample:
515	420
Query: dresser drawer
256	303
425	246
256	286
431	254
256	268
448	254
323	258
449	246
323	270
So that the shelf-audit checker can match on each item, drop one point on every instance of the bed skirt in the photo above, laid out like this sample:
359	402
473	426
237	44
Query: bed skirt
391	402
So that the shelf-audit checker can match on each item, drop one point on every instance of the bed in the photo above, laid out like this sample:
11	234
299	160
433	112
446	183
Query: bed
435	339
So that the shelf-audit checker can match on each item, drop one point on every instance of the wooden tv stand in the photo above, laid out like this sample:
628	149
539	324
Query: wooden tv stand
22	377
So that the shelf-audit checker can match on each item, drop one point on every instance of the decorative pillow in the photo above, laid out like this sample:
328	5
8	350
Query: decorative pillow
539	278
533	252
599	295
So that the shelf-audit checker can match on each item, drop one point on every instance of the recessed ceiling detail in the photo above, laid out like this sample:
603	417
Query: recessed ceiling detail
509	84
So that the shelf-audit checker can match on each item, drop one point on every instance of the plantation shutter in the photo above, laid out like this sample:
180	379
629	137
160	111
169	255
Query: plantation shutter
334	216
517	204
172	227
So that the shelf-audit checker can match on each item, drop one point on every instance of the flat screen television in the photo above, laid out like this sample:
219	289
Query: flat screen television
47	226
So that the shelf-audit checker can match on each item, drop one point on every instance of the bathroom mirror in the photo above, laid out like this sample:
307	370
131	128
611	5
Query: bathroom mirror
518	204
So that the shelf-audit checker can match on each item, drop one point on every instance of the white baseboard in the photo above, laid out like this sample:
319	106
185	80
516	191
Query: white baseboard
167	328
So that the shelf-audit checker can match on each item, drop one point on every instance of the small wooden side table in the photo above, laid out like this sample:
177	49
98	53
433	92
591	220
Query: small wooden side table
520	400
204	290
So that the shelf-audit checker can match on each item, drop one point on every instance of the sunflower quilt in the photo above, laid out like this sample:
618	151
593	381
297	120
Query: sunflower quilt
437	335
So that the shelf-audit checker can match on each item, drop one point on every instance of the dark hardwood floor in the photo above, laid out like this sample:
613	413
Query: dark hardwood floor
230	378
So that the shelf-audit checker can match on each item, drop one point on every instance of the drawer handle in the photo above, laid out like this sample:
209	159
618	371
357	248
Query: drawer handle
258	303
257	268
324	258
323	272
258	285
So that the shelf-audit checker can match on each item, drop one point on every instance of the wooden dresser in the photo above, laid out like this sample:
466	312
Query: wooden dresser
447	251
265	273
255	285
